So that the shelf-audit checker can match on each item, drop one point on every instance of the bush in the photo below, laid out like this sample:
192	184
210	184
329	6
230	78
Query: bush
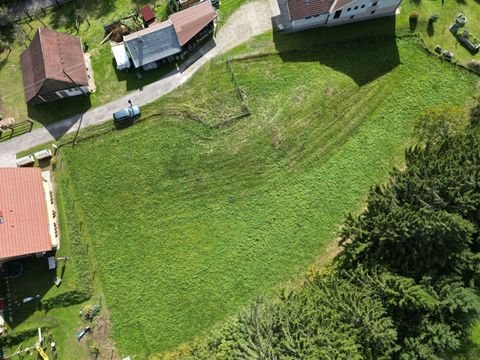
434	124
475	114
433	18
413	18
17	338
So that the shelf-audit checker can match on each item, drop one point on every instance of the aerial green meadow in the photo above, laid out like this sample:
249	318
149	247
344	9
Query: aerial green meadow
189	223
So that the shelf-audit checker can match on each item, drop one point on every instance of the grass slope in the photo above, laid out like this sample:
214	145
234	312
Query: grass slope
189	223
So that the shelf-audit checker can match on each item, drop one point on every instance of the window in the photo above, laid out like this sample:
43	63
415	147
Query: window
362	6
351	17
337	14
374	3
349	9
373	12
355	8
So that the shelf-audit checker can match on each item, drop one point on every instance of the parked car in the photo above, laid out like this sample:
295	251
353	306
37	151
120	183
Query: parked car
126	115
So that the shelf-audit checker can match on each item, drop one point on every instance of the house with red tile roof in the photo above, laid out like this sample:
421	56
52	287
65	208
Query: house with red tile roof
315	13
53	67
27	213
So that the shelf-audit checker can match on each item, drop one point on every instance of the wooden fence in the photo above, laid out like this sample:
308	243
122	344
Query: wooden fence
35	12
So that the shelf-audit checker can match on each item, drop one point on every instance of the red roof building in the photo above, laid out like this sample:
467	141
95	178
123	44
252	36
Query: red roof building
24	220
53	67
148	15
191	21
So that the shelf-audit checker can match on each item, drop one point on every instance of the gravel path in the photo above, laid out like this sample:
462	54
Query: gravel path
248	21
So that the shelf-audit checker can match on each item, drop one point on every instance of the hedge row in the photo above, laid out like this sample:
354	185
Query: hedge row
17	337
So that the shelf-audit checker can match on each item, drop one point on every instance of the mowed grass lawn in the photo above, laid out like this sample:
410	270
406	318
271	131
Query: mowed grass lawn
188	223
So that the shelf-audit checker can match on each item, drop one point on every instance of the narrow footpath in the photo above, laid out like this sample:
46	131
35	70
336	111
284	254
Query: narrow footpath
250	20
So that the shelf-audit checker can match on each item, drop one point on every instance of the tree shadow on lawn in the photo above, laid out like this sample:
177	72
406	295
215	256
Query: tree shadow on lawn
430	29
97	8
50	114
363	57
36	279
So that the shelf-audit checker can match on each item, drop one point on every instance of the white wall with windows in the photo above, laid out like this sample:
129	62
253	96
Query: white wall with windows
362	9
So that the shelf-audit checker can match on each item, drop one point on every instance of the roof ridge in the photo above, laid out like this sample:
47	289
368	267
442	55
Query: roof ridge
43	54
333	6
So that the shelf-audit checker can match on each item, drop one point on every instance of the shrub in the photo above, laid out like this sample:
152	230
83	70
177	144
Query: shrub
17	337
475	114
433	18
413	18
434	124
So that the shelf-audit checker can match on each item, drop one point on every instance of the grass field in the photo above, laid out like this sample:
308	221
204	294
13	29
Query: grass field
190	223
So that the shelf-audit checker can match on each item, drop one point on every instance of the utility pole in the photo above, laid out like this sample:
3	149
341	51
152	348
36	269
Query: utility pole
73	82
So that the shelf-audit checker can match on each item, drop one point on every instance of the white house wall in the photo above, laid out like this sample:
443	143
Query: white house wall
354	11
313	21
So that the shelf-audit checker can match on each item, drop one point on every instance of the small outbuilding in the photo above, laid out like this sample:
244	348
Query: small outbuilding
121	56
148	15
53	67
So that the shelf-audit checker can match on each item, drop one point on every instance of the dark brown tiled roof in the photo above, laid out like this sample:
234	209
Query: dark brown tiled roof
340	4
47	55
300	9
189	22
24	225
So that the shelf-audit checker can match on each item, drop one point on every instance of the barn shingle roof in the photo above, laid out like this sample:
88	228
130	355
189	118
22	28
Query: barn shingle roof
300	9
49	53
191	21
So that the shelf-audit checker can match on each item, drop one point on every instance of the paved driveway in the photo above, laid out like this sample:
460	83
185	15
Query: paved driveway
250	20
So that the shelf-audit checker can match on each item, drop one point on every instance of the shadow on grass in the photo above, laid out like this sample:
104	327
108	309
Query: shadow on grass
430	29
341	48
97	8
36	279
69	110
137	79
